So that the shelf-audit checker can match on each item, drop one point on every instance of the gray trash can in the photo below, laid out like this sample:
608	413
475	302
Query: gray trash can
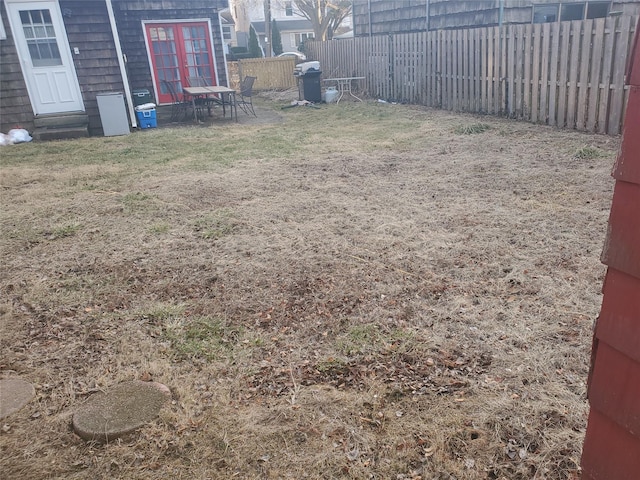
311	86
113	113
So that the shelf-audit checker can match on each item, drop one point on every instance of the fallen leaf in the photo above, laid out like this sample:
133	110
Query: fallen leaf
353	455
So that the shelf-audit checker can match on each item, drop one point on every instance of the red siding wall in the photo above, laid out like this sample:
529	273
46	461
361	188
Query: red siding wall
612	445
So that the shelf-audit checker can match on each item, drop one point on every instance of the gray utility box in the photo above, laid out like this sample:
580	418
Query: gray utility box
113	113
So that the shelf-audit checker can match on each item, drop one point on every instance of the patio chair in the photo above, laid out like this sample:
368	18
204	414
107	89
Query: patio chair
246	92
178	105
204	101
197	82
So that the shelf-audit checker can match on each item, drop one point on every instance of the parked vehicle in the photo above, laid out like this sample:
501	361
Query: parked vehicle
300	57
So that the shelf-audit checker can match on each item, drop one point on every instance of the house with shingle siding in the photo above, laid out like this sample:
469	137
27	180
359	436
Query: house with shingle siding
57	55
379	17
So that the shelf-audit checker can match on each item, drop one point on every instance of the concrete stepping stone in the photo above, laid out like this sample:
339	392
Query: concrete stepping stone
14	394
124	408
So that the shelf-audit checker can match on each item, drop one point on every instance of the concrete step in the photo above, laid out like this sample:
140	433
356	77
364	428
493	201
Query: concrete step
61	120
60	133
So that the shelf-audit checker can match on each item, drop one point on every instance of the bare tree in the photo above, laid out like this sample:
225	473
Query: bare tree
325	15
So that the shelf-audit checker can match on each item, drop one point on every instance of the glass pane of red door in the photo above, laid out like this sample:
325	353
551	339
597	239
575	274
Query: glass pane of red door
199	62
179	51
164	58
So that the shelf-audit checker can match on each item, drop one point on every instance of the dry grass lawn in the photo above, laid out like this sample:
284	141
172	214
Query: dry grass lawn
364	291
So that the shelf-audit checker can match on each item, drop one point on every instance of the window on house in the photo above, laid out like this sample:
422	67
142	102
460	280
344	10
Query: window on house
299	38
545	13
288	9
598	9
41	38
226	32
566	11
571	11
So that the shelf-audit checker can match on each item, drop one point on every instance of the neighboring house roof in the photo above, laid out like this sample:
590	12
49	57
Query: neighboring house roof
285	26
348	34
226	16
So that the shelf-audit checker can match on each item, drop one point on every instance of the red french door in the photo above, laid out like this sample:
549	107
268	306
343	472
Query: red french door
179	51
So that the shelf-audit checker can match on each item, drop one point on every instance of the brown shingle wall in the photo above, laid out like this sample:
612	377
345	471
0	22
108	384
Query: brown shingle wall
393	16
88	29
129	16
15	106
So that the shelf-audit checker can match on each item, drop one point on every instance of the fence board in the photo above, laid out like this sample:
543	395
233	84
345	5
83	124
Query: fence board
511	71
607	65
583	80
432	58
457	67
503	70
544	74
566	74
518	72
619	65
484	70
594	84
449	69
477	106
490	69
497	64
465	70
573	73
398	67
553	72
441	65
563	78
459	89
528	51
535	73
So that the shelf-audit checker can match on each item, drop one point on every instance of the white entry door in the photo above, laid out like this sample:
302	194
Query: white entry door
45	56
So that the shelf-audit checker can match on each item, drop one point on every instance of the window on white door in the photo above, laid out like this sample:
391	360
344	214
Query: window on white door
41	38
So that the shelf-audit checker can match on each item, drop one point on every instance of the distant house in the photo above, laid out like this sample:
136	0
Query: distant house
227	23
293	33
56	55
377	17
294	28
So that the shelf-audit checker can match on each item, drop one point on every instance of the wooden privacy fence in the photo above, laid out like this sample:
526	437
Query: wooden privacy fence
568	74
272	73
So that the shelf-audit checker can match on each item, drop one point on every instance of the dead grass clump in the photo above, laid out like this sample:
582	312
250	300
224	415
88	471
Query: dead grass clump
587	153
473	128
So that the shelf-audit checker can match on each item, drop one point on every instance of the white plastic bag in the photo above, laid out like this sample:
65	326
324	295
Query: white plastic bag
5	140
19	135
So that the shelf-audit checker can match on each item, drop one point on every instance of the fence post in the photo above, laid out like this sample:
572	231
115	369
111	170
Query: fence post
392	70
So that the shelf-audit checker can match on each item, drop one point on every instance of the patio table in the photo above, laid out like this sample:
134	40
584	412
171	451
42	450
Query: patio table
345	84
197	92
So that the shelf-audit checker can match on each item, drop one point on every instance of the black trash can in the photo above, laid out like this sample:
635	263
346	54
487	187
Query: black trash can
141	96
311	86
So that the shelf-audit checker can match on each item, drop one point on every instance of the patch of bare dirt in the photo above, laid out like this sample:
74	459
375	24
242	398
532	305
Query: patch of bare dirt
416	304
